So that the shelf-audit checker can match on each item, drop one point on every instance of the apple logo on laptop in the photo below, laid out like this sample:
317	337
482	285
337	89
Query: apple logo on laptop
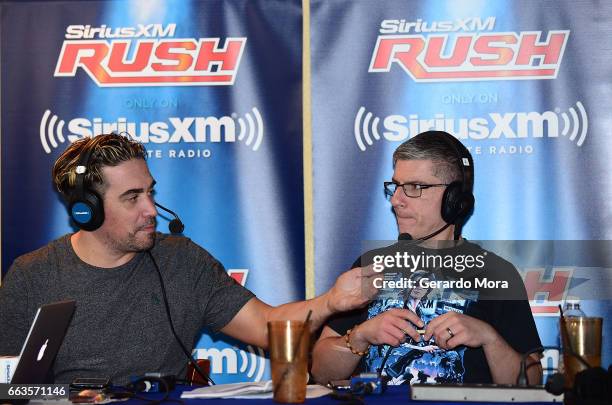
41	352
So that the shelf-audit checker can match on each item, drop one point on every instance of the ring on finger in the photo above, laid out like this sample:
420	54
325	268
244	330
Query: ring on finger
450	333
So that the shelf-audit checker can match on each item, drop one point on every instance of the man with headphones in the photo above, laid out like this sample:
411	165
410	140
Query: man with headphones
480	333
142	297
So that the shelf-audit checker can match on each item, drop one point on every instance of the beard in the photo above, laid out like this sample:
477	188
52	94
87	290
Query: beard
139	243
136	241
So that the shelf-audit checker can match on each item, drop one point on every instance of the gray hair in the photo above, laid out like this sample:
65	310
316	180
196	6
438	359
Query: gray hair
431	145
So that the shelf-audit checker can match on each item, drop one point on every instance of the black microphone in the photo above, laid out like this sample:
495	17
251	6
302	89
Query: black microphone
176	226
404	236
555	384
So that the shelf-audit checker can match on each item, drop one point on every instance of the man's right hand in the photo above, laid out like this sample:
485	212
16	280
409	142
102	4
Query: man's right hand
389	327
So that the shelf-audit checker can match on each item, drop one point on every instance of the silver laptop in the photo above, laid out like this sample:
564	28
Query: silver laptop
43	342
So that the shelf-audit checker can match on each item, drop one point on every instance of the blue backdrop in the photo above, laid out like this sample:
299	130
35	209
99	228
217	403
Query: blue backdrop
213	90
523	90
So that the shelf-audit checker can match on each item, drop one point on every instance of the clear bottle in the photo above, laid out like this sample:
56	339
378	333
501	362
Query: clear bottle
572	308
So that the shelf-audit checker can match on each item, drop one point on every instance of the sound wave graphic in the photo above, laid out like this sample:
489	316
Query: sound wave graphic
49	131
363	129
254	362
574	124
251	130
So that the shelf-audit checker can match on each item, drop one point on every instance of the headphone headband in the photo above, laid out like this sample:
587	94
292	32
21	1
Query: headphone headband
458	199
464	160
81	170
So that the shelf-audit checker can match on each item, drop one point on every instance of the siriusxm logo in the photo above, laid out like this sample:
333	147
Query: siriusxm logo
572	125
232	360
104	31
248	129
465	24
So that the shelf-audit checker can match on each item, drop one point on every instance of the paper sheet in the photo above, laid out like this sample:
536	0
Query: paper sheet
248	390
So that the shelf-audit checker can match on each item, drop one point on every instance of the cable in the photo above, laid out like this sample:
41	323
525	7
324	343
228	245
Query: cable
389	347
523	377
191	359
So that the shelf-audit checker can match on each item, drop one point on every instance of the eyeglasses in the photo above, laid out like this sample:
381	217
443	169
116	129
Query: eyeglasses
412	190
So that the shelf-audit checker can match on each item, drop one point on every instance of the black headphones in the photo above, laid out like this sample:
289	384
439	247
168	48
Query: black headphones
85	205
458	199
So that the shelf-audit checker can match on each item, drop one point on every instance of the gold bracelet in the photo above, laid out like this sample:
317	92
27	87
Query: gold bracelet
347	338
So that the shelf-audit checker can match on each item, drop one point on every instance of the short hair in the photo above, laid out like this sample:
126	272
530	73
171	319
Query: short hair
105	150
443	151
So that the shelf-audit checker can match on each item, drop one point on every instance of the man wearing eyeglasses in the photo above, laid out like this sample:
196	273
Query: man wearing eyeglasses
474	337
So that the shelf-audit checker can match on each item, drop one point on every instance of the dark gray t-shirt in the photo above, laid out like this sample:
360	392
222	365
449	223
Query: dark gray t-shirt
120	327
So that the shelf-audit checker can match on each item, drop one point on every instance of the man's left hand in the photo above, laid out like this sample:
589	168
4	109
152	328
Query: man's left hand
353	289
453	329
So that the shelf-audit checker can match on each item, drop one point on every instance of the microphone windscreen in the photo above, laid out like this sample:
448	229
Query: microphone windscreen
176	226
404	236
555	384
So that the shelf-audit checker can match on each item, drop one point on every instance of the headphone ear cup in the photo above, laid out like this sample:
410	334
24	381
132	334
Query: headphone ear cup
456	203
87	212
468	204
451	200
